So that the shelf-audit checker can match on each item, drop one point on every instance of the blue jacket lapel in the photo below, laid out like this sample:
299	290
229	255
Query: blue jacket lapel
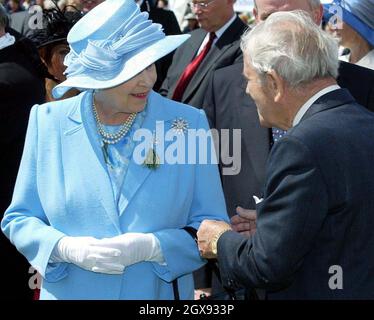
82	151
137	173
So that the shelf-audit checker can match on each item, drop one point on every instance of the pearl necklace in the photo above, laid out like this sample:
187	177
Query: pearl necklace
113	138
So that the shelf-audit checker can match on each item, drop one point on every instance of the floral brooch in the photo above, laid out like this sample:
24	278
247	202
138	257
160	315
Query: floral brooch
180	126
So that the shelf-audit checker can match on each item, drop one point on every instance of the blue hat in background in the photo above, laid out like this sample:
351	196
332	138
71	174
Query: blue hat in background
358	14
111	44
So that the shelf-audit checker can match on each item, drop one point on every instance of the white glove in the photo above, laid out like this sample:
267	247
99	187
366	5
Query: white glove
135	247
86	253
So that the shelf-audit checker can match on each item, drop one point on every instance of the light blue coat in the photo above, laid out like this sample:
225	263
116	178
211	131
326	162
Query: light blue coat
63	188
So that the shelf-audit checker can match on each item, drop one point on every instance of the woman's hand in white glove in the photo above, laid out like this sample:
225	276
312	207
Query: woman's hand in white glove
89	254
135	247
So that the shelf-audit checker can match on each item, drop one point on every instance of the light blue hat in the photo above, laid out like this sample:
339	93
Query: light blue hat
111	44
358	14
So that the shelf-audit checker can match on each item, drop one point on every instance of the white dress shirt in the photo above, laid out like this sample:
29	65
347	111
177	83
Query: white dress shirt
366	61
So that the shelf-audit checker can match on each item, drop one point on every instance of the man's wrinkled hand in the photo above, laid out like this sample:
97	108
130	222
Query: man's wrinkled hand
207	233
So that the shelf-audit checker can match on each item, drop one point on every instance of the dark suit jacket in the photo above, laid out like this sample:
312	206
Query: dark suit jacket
359	81
228	107
21	86
317	210
226	51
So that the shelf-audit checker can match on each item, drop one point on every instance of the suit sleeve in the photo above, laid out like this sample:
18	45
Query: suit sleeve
25	222
289	219
179	249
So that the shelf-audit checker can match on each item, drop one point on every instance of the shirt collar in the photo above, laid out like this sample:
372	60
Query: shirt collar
221	30
367	61
309	103
218	33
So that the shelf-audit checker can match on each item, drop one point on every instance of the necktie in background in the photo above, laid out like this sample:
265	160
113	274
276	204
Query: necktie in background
190	70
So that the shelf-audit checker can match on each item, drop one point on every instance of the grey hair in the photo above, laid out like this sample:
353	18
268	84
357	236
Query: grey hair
313	3
3	17
291	44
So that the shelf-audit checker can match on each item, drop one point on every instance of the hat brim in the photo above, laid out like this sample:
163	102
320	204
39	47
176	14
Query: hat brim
54	41
130	68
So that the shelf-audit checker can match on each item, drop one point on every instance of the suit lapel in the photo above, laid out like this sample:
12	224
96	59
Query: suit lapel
190	51
81	149
330	100
218	49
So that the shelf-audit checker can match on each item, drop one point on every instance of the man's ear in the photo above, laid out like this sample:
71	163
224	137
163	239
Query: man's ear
255	14
318	14
276	85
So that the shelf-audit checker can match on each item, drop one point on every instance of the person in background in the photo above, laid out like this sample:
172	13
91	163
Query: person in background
26	4
357	30
192	23
88	5
162	4
228	107
171	27
315	220
14	6
73	5
53	47
21	86
213	46
95	217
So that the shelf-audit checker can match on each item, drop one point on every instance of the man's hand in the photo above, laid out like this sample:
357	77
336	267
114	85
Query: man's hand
244	222
209	232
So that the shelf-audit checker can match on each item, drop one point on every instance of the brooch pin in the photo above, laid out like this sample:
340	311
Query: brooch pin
152	160
180	126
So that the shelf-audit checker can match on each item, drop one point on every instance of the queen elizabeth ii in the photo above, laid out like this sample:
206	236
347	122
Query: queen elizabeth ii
94	222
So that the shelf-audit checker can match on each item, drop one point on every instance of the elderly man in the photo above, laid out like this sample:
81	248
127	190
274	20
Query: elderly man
315	222
213	46
227	106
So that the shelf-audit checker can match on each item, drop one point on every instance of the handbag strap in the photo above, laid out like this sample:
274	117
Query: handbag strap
176	289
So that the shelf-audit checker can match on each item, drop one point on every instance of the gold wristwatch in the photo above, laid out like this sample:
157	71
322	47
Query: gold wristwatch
214	242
